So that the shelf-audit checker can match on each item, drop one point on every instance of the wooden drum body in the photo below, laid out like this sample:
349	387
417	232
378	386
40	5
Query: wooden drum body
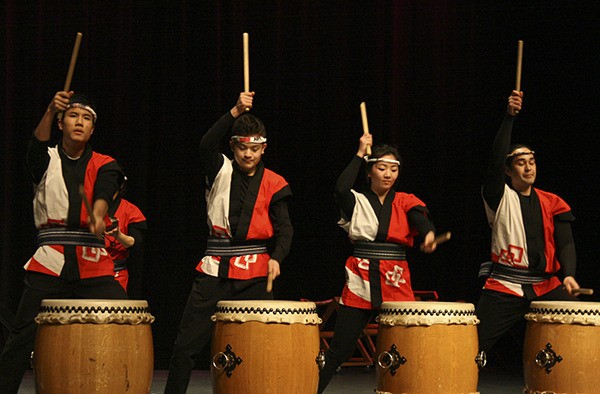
427	347
93	346
562	347
265	347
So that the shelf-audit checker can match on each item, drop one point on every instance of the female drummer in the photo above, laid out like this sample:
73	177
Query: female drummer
382	223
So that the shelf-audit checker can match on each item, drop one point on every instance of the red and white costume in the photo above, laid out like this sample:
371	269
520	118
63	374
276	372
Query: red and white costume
265	184
51	209
509	246
393	275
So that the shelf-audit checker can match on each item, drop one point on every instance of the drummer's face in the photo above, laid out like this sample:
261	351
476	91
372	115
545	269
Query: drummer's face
383	175
247	155
77	124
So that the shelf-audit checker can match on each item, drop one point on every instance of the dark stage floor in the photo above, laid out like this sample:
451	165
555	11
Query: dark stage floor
350	380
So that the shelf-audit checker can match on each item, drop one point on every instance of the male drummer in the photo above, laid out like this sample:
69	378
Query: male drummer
531	237
246	207
70	261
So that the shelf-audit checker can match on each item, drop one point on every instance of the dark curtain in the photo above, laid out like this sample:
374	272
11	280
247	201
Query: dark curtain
435	76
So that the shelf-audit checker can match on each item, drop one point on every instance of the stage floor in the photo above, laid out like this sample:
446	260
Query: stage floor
351	380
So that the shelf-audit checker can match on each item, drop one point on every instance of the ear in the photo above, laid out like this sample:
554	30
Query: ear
60	124
263	148
507	171
92	131
231	145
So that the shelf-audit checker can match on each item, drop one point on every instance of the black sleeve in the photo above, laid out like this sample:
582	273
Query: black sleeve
108	182
344	184
419	219
211	159
37	158
135	261
565	246
282	227
493	185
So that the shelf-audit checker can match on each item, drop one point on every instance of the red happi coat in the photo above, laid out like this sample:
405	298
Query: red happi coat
509	242
50	209
259	228
394	275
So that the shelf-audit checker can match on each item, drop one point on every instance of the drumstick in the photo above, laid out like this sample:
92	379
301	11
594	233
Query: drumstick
72	66
583	291
440	239
246	66
519	62
269	283
86	202
365	123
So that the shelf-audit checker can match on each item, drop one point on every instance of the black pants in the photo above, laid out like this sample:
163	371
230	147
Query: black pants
196	326
16	355
349	325
499	312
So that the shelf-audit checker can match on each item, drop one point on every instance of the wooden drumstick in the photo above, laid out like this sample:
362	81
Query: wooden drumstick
269	283
86	202
519	63
72	66
365	123
246	66
440	239
583	291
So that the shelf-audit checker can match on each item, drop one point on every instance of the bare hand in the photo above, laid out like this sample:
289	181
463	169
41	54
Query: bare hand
515	102
243	104
365	140
570	284
97	226
60	101
274	270
429	245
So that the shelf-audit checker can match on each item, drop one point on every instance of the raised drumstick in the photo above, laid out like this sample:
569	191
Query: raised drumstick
72	66
519	63
365	123
246	66
583	291
86	202
440	239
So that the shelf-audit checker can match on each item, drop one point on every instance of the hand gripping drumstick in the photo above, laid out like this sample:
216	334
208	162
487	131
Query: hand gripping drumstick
86	202
583	291
519	63
365	123
440	239
72	66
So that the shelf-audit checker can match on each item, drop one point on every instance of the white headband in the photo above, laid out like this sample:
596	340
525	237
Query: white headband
381	159
520	153
86	107
257	139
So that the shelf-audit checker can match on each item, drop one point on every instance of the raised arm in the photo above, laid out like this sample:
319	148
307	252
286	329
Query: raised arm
210	157
493	186
345	181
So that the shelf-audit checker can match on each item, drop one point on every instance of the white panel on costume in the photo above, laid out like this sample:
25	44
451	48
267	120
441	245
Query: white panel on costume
210	266
512	286
508	231
50	258
217	200
51	200
363	225
358	286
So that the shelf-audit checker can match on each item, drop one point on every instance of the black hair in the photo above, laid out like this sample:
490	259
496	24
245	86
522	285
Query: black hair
382	150
247	125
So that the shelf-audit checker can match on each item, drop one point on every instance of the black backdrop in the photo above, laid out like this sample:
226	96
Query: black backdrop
435	76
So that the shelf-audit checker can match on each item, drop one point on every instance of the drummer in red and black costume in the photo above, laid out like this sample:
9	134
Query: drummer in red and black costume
70	261
532	240
125	243
246	207
382	223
